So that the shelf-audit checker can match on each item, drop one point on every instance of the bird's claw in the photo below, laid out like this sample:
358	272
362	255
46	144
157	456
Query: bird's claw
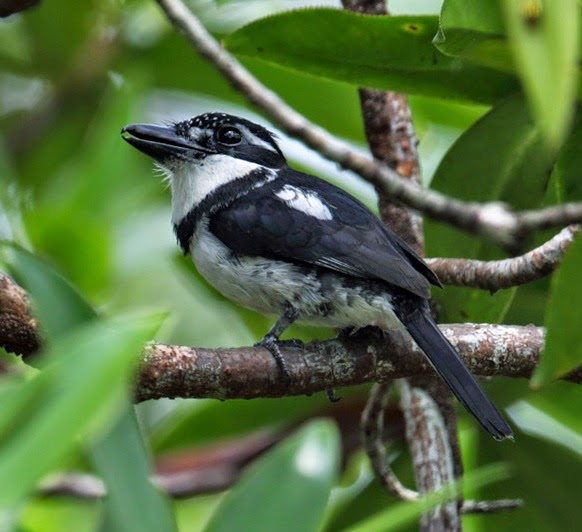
271	343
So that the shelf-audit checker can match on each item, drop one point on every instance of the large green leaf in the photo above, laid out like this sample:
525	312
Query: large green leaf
84	380
133	503
552	415
544	38
393	53
563	350
20	401
119	455
502	157
287	489
547	477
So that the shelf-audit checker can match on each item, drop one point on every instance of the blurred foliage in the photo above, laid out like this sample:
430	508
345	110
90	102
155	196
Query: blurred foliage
494	91
288	488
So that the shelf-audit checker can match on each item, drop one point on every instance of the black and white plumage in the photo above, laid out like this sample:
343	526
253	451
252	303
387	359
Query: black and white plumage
286	243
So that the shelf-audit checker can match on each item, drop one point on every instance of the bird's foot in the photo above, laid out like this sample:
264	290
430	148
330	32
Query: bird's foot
271	343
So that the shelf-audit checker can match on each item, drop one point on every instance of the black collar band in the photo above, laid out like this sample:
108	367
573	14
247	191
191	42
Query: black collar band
217	199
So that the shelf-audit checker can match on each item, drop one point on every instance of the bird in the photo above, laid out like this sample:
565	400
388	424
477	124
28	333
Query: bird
289	244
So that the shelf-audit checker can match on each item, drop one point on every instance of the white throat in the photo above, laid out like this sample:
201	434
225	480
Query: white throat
192	181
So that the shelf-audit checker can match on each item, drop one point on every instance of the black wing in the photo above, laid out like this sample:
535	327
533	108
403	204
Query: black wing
345	237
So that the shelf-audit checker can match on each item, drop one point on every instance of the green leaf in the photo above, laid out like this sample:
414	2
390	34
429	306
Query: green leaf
474	30
218	420
287	489
87	374
394	53
546	475
21	401
120	455
132	502
563	350
544	38
502	157
49	514
404	514
552	417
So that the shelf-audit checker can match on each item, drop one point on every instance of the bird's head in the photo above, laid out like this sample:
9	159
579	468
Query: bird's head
205	153
203	136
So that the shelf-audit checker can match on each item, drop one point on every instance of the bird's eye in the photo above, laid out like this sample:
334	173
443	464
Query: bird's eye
229	135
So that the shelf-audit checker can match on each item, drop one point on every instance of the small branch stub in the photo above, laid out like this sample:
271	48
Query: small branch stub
19	332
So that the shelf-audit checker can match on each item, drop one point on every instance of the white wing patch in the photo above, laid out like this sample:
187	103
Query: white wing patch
307	202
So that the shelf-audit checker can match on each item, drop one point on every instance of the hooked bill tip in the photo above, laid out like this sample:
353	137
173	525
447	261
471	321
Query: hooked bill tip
127	129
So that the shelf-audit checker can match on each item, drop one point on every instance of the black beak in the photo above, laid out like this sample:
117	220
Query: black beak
159	142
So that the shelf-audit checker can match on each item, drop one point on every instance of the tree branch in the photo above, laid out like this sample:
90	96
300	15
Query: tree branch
428	440
19	331
215	466
497	274
392	139
494	221
251	372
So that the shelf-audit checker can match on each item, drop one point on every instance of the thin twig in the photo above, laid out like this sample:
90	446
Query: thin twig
497	274
490	507
176	485
494	221
196	482
554	216
373	434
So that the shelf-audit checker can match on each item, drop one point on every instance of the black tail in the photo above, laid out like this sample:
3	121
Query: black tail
451	368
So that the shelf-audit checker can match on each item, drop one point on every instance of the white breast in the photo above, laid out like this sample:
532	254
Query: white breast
266	285
260	284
